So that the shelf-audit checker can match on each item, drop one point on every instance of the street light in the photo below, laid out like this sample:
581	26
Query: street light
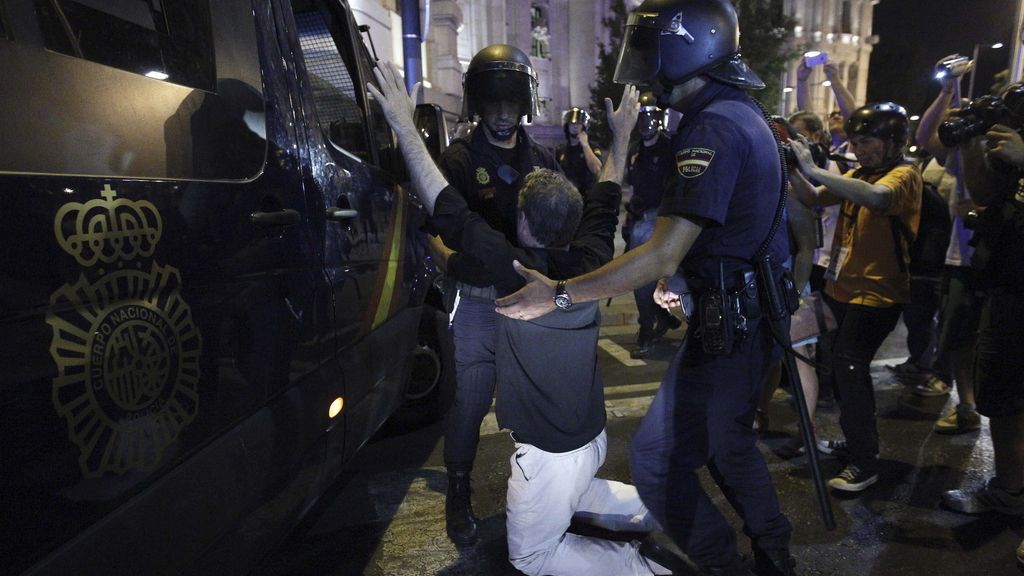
977	48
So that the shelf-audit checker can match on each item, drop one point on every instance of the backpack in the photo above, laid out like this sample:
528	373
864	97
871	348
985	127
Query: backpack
928	249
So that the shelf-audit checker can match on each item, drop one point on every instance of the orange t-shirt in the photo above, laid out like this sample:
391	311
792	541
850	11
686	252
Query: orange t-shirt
870	273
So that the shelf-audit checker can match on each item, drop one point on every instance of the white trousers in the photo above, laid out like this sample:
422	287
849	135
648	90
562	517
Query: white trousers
546	490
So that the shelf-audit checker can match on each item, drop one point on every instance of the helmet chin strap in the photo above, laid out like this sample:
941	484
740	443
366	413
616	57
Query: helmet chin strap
502	135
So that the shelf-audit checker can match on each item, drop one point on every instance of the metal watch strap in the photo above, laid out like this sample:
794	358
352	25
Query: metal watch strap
562	299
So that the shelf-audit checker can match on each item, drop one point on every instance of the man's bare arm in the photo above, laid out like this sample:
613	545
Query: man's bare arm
621	121
398	110
873	196
808	194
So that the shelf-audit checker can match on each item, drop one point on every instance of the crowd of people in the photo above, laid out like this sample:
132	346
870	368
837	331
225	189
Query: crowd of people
526	237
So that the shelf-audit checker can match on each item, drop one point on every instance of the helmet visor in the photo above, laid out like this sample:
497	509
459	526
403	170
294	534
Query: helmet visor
502	84
640	56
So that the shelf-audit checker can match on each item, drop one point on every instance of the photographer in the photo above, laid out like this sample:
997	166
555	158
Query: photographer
868	280
993	168
960	305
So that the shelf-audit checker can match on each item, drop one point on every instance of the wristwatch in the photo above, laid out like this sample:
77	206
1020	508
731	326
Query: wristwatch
562	299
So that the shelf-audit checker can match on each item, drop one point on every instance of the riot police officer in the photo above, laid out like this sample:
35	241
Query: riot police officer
718	215
578	159
487	168
650	161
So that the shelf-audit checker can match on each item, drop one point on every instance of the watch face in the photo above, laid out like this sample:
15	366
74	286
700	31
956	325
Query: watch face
563	301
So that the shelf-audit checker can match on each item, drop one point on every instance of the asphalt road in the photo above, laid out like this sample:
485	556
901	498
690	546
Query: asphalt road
386	516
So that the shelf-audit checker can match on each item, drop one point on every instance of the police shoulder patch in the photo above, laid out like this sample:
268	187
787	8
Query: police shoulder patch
692	162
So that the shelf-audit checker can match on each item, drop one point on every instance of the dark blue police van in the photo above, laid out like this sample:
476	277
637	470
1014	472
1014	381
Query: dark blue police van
213	286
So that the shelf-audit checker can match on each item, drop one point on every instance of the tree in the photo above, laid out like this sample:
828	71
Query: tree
765	39
766	32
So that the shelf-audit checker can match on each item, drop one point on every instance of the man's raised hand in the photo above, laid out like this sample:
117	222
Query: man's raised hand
623	119
397	105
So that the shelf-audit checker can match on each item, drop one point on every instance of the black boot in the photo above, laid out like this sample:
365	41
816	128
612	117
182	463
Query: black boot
458	510
775	563
644	344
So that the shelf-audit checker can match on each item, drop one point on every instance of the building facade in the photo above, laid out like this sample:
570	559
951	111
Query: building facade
562	38
842	29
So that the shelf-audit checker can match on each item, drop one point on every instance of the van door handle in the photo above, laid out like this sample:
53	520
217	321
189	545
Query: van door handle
283	217
341	214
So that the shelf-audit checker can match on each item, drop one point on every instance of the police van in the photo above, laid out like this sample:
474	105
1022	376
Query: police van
213	287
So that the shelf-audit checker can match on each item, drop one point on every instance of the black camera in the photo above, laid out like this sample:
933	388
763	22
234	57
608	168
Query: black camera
786	133
818	153
981	114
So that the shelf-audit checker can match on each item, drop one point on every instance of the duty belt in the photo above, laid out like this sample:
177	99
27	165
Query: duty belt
486	292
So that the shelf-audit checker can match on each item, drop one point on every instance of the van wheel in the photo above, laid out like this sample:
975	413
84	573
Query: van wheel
431	386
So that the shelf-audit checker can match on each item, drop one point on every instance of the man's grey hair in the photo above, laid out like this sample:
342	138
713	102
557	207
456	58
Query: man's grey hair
552	206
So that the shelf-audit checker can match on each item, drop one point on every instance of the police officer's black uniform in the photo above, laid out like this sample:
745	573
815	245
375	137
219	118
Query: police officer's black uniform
727	177
571	157
489	178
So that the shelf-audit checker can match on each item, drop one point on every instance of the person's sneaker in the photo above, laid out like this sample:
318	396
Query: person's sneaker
932	387
853	479
831	447
987	498
959	421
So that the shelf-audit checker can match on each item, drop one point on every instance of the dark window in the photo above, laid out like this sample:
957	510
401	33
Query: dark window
163	39
846	25
334	93
387	148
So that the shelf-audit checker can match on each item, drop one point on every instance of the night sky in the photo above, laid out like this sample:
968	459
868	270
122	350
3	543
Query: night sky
914	34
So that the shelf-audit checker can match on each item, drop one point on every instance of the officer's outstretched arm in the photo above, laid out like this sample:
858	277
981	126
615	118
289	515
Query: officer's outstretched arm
659	257
398	110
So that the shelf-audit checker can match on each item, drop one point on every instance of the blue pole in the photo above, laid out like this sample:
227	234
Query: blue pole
411	42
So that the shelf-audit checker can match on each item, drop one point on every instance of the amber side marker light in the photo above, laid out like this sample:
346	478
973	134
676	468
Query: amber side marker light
336	407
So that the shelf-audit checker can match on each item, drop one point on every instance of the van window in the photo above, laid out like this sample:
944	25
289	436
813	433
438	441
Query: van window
334	93
387	147
83	103
164	39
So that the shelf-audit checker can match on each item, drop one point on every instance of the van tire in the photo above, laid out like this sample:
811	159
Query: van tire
431	385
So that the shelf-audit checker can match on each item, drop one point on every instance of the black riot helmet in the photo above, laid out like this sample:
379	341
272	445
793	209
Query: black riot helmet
884	120
651	119
672	41
500	72
575	115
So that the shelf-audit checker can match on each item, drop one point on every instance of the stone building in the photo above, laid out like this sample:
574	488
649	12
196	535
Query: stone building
841	28
561	37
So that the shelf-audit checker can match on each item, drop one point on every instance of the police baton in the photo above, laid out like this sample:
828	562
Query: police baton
777	313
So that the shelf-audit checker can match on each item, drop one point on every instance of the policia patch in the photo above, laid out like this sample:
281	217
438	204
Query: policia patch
692	162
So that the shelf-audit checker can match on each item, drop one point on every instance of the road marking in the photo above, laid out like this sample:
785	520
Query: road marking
631	389
888	361
619	353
